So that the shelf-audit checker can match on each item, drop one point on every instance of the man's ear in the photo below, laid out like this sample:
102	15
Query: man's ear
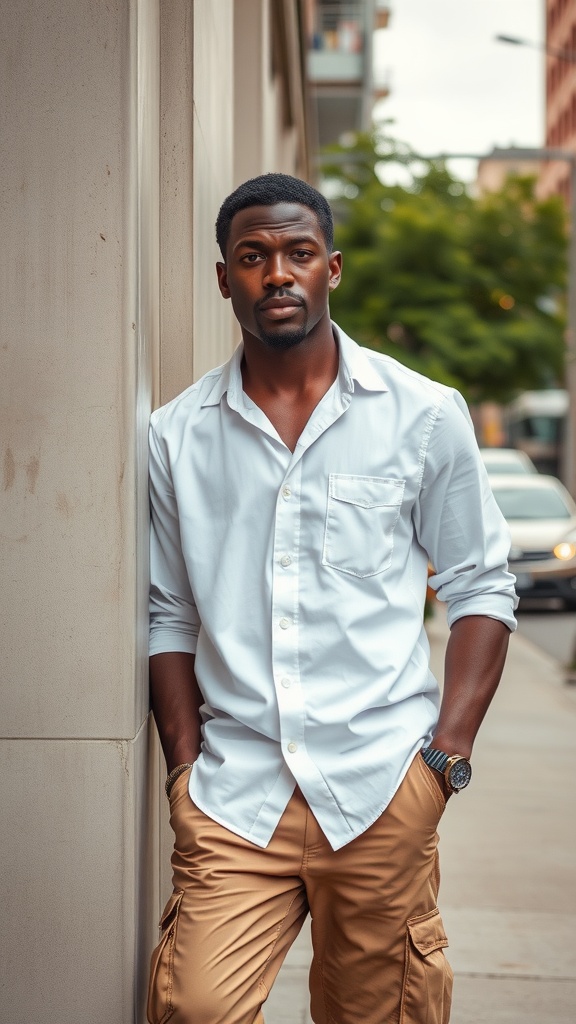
222	280
335	265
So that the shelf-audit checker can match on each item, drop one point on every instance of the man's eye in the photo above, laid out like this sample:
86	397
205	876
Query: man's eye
301	254
252	257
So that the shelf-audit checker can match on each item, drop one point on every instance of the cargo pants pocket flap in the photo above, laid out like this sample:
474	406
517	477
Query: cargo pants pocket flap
160	1005
427	985
427	933
170	911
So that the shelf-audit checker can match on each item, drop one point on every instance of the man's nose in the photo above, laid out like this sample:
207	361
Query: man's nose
278	272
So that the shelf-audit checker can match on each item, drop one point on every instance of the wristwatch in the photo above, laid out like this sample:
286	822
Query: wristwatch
455	768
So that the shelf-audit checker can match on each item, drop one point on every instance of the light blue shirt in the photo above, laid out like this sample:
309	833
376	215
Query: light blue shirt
299	579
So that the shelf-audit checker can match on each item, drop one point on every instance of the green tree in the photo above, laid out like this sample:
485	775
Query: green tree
467	290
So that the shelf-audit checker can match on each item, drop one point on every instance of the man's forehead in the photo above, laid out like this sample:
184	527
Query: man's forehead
277	217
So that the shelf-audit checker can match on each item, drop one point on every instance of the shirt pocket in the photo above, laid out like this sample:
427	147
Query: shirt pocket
361	516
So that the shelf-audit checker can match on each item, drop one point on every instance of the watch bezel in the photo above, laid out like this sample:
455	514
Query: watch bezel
454	762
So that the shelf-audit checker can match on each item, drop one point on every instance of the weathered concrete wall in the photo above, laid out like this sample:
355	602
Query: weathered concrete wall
80	268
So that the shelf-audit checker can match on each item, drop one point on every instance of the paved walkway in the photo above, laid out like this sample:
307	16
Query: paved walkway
508	855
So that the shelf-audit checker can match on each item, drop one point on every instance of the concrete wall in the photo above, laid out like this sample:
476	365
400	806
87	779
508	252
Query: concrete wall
213	335
271	106
80	327
117	146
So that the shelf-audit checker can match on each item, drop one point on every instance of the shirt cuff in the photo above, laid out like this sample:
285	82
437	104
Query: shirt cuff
493	606
163	641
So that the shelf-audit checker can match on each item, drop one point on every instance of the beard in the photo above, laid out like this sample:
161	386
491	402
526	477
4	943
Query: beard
282	340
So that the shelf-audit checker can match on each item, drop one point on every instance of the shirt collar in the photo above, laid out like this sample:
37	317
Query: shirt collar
355	365
227	378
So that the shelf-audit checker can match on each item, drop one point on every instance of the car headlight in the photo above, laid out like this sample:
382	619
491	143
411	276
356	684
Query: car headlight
565	550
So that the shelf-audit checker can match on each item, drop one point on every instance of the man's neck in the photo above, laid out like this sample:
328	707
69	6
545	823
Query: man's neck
288	385
311	364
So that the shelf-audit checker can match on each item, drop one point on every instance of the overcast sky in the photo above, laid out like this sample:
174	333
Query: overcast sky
452	87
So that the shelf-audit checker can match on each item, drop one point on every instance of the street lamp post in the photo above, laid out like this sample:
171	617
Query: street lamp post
547	153
569	454
569	460
550	153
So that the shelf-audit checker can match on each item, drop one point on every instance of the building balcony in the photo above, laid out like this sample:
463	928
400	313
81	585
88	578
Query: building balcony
339	64
335	66
382	14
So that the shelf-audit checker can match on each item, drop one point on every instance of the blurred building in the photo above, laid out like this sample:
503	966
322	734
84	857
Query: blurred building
560	93
492	172
556	178
340	64
125	124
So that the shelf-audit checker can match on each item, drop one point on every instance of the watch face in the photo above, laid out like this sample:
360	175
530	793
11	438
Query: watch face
460	774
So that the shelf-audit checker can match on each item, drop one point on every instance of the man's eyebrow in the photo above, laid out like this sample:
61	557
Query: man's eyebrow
254	243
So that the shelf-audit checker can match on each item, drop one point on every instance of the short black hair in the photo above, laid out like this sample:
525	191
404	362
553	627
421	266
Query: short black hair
267	190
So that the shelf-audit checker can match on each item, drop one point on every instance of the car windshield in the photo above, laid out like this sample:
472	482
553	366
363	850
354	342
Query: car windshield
501	466
531	503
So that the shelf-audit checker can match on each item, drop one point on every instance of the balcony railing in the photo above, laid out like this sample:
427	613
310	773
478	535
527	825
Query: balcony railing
338	28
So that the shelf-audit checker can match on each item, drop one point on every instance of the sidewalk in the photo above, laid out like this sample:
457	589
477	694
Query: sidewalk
508	856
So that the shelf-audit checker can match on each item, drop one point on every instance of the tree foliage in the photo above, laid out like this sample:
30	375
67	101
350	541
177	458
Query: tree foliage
467	290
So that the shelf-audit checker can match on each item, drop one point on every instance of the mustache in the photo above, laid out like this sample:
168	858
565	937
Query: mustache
280	293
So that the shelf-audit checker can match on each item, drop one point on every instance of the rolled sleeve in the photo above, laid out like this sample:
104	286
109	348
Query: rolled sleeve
459	523
174	619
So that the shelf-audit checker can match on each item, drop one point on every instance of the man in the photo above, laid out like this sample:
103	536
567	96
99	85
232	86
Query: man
298	494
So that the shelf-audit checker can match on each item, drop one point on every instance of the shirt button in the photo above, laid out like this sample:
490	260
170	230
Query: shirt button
285	561
286	682
292	747
286	492
284	623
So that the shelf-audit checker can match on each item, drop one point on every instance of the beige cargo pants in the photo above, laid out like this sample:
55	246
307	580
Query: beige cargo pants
377	935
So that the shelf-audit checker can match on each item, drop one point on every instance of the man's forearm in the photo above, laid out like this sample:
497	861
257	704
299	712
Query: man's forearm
475	658
176	700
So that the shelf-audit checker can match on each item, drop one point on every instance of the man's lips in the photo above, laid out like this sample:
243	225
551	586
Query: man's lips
280	302
280	307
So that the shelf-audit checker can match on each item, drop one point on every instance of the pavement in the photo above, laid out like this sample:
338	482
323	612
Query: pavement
508	858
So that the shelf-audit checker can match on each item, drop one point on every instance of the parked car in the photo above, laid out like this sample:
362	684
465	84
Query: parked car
506	460
541	515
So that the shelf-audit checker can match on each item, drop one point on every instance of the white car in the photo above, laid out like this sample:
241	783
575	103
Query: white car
541	516
506	460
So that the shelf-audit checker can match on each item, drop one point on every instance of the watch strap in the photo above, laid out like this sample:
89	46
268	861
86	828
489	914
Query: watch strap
435	758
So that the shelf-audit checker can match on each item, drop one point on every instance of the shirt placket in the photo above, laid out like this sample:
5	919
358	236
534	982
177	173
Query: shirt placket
285	618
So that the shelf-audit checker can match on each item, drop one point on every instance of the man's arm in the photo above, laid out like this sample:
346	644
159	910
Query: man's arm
467	541
174	620
176	701
475	657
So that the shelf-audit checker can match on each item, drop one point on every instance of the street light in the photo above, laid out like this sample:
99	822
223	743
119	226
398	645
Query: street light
569	55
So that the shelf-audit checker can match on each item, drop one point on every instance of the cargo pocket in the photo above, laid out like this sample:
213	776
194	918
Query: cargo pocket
361	516
160	1007
427	986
